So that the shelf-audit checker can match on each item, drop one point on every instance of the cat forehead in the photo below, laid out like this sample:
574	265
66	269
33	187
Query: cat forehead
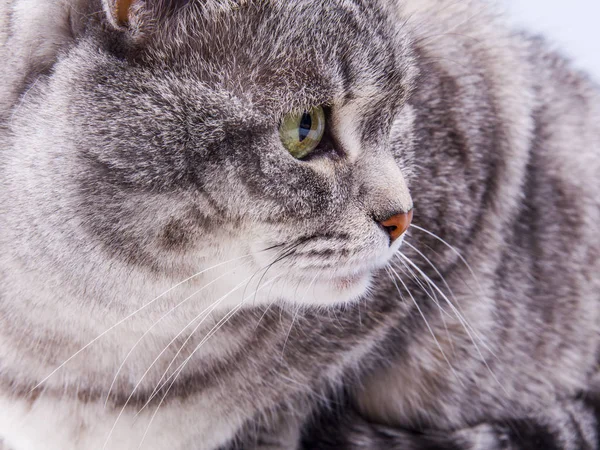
296	53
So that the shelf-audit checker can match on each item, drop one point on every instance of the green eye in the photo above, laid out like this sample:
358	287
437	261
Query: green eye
301	133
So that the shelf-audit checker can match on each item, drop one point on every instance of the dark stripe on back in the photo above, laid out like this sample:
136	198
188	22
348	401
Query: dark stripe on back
592	402
530	435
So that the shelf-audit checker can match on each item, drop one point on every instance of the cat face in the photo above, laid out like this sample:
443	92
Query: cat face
168	132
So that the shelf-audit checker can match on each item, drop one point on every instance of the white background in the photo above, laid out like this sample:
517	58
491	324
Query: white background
573	25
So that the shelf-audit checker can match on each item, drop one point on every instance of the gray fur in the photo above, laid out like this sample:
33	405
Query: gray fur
134	155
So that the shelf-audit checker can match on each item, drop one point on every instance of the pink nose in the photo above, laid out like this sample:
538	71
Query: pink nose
397	225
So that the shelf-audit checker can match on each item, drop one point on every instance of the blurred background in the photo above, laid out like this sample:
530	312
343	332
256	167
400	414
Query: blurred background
573	25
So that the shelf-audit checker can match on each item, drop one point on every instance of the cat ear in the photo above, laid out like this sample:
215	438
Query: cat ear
139	15
120	11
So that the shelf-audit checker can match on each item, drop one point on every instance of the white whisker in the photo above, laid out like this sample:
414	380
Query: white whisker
465	324
455	251
182	366
437	342
158	385
439	274
246	281
468	328
433	296
430	292
156	323
142	308
298	309
210	309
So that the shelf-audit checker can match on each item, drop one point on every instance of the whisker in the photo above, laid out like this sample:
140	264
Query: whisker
211	307
433	266
465	324
298	309
468	328
271	304
284	250
142	308
433	296
439	274
430	292
280	258
156	323
204	315
437	342
464	261
458	304
265	313
179	370
159	386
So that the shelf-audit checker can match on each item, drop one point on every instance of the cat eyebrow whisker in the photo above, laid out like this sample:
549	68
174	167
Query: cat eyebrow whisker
399	278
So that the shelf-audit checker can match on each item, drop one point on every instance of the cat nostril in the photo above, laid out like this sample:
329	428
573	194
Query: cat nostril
397	225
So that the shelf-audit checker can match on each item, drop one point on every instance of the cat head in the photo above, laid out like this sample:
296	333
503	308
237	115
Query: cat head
170	136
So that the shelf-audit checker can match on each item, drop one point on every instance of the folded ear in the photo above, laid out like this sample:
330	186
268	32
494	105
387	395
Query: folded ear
122	10
140	15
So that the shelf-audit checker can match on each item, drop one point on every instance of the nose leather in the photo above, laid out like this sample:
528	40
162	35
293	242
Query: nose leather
397	225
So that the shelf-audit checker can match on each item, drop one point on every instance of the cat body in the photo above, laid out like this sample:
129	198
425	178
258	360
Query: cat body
170	276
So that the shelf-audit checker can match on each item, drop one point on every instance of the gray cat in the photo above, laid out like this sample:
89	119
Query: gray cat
204	208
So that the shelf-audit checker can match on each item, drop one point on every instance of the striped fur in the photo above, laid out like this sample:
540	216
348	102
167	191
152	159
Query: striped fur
135	155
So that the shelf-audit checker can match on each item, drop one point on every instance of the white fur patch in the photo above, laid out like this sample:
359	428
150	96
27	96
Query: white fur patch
52	424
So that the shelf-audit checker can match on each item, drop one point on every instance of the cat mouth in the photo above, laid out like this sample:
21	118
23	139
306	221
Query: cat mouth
347	278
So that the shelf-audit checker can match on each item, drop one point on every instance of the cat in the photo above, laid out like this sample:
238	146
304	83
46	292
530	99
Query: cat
294	224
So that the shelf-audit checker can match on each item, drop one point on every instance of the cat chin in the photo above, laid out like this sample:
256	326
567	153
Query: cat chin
331	291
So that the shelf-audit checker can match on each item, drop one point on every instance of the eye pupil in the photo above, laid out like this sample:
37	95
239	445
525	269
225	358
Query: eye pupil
305	126
301	133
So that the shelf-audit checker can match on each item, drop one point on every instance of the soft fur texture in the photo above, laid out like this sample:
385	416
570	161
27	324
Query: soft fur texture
147	206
